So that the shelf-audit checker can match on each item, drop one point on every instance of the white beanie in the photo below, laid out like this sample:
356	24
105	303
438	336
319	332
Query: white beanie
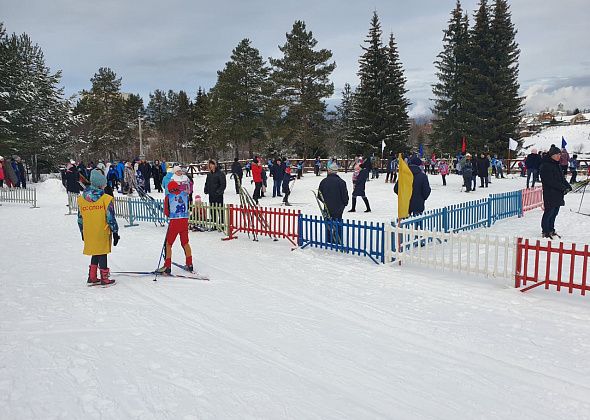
176	168
1	158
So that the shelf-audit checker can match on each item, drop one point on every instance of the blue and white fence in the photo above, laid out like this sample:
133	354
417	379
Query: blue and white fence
346	236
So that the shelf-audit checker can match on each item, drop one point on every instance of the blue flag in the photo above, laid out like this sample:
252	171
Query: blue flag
421	150
563	143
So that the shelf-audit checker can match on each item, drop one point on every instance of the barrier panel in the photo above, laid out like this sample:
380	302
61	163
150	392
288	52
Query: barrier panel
562	266
19	195
504	205
272	222
210	216
532	198
72	203
347	236
492	256
145	210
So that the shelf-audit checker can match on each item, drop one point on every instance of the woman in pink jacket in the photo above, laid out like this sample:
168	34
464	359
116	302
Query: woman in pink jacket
443	169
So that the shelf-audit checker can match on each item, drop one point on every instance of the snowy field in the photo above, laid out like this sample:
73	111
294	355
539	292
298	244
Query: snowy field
280	334
576	136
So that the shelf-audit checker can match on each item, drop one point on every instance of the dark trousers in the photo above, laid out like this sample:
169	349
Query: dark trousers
100	260
276	187
334	230
467	182
482	179
535	174
237	183
473	182
147	186
216	201
444	177
574	175
564	169
317	170
257	188
548	219
158	184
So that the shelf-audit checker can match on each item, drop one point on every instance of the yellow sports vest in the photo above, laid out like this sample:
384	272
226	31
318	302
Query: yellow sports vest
97	233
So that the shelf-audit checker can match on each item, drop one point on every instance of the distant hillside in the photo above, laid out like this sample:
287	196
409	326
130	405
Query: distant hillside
576	136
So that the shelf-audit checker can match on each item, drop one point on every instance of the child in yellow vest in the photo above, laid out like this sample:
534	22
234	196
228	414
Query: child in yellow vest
96	219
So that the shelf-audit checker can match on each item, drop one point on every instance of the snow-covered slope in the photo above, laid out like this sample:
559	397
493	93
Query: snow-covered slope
576	136
275	334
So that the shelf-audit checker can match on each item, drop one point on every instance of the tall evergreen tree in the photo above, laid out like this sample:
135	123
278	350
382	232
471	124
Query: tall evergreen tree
344	129
368	113
239	98
302	82
395	104
450	105
480	102
201	138
508	104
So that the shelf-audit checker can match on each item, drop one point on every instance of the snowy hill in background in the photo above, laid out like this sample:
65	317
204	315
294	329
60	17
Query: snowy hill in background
576	136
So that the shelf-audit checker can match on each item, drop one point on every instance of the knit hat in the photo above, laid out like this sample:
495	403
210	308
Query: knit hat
332	167
97	179
173	187
415	161
534	151
1	158
176	168
553	151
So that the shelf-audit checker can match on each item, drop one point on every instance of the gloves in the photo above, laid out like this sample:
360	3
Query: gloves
116	238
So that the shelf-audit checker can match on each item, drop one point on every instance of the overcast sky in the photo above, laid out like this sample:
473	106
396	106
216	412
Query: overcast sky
174	44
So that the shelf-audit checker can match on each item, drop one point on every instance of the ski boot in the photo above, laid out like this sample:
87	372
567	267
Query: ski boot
164	271
189	268
105	281
93	279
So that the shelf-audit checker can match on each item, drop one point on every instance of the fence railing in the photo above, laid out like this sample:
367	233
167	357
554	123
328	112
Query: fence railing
504	205
347	236
210	216
532	198
19	195
492	256
264	221
562	266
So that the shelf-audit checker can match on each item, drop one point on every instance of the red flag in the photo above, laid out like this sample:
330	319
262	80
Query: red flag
464	145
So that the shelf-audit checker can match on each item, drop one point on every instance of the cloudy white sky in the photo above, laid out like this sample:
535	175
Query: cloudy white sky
180	44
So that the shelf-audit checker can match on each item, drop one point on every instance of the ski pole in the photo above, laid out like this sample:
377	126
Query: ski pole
162	253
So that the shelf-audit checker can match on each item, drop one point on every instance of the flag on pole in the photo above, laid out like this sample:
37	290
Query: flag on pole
563	143
382	145
464	145
512	144
404	188
421	150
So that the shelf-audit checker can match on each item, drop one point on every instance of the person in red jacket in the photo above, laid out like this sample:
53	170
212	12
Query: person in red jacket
257	178
176	209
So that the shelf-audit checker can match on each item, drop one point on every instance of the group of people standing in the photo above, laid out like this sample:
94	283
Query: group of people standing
13	172
531	165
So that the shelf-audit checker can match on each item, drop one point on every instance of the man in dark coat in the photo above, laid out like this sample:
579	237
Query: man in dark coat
483	164
359	186
532	164
72	179
22	173
335	195
237	173
555	187
215	186
146	170
420	188
277	171
157	175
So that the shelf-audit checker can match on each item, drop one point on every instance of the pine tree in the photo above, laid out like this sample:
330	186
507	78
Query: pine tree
395	104
302	82
480	101
368	113
239	99
344	130
201	139
508	104
450	104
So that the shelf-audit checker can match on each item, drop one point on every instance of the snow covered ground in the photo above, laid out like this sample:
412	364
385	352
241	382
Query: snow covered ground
278	334
576	136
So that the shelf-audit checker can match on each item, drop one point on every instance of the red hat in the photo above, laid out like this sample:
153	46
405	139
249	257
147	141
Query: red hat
173	187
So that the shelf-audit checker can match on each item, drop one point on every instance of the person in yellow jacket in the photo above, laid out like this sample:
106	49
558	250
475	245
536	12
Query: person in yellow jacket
96	220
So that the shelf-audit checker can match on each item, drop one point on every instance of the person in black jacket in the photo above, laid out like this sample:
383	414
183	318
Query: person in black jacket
237	173
215	186
483	164
157	174
146	170
555	187
72	179
532	164
277	171
335	195
420	188
359	186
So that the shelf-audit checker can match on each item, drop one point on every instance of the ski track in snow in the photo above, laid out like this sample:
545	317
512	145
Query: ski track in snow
279	334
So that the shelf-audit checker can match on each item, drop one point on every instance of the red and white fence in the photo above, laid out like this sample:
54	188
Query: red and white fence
544	264
532	198
264	221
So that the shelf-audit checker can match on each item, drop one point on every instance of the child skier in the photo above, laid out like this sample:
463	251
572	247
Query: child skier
287	178
176	209
96	220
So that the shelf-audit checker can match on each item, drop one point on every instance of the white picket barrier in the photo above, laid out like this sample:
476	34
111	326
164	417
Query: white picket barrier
478	254
19	195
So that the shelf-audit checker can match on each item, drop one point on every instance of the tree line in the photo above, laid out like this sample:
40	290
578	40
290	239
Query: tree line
271	107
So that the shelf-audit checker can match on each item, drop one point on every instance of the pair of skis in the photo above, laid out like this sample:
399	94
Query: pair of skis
192	275
334	229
